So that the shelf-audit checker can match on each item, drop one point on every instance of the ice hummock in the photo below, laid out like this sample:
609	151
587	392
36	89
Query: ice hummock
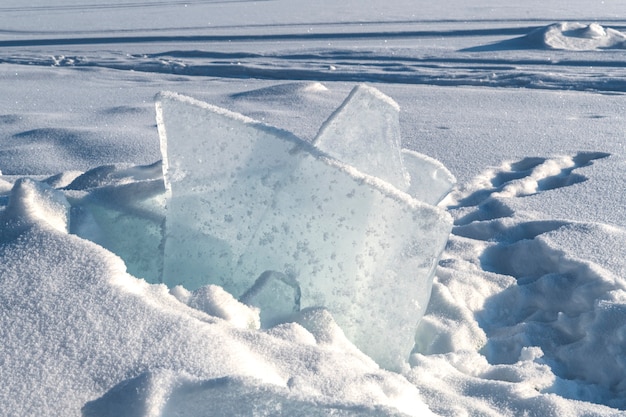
245	198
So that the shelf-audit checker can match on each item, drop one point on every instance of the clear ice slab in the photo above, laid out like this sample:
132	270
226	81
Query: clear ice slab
430	179
124	212
245	198
276	295
365	133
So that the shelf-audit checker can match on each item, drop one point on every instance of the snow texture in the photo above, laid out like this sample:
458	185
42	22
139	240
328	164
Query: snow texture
523	102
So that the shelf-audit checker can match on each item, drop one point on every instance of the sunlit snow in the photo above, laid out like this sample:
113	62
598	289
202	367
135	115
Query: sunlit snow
522	103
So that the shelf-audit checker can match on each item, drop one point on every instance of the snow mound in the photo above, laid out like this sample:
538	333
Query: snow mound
564	36
33	201
289	91
164	393
573	36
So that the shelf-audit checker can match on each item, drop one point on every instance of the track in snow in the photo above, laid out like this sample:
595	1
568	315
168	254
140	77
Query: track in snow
406	53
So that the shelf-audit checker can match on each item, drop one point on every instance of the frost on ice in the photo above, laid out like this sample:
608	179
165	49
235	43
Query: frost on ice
256	211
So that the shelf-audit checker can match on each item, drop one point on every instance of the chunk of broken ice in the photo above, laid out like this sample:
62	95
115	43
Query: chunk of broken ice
430	179
247	198
124	202
221	171
365	133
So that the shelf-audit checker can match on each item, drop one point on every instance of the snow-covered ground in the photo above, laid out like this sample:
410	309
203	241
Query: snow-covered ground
523	103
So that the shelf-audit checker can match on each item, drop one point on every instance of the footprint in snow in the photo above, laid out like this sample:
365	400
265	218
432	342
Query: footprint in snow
556	294
483	199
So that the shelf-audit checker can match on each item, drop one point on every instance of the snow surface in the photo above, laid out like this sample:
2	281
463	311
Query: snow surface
523	103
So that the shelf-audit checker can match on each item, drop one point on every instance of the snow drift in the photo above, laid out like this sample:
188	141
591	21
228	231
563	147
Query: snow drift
574	36
564	36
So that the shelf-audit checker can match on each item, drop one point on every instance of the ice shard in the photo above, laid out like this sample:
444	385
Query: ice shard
122	202
365	133
245	198
276	295
221	170
430	179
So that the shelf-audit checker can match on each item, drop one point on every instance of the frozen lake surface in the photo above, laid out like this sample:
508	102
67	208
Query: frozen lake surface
523	104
